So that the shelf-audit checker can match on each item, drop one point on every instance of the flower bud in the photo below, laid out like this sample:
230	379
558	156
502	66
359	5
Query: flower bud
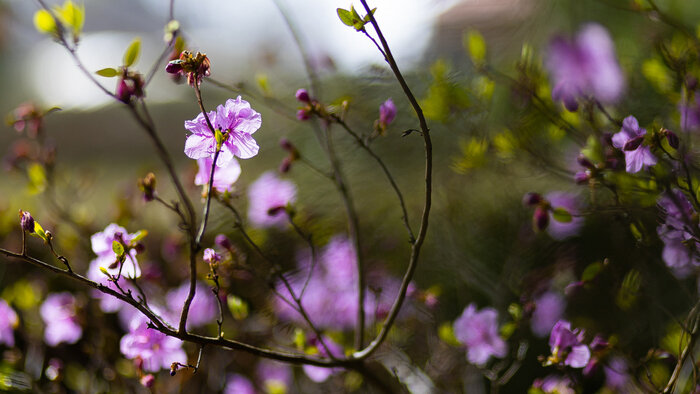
222	241
303	114
303	96
540	219
584	162
174	67
285	165
582	177
210	256
26	221
672	138
148	186
387	113
147	380
530	199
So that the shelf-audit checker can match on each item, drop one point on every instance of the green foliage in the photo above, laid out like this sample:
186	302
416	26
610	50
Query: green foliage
447	334
237	306
629	291
352	18
45	22
37	178
561	215
657	74
473	155
476	46
118	248
107	72
444	96
591	271
132	52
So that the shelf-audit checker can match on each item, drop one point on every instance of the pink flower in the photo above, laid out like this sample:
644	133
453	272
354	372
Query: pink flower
224	177
238	384
8	322
567	346
320	374
268	196
203	309
562	230
586	66
236	119
478	331
387	112
155	349
59	314
102	246
630	140
549	308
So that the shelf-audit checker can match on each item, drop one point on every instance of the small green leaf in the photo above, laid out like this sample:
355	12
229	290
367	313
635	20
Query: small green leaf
447	334
299	338
44	22
37	178
366	18
476	46
355	15
72	15
508	329
104	271
39	231
107	72
141	234
219	138
636	233
345	16
117	248
561	215
515	311
359	25
591	271
132	52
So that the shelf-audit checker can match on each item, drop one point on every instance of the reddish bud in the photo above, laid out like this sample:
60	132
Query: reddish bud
147	381
285	165
584	162
26	221
303	114
582	177
530	199
540	220
223	241
303	96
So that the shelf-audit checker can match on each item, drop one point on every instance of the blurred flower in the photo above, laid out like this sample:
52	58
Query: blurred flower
387	113
330	298
567	346
554	384
156	350
616	375
108	303
195	67
203	309
129	86
59	314
27	116
238	384
549	308
629	140
680	251
224	177
320	374
106	258
478	331
236	120
275	376
586	66
8	322
562	230
268	197
223	242
690	112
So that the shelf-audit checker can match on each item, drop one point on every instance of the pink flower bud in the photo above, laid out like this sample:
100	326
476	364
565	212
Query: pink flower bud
26	221
303	114
148	381
303	96
540	219
530	199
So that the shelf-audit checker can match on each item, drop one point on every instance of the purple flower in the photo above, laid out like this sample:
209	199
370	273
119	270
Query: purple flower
59	314
275	376
387	112
203	309
210	256
690	112
680	251
238	384
554	384
616	376
567	346
629	140
155	349
562	230
268	196
549	308
8	322
102	246
330	298
320	374
237	120
478	331
224	177
303	96
108	304
585	67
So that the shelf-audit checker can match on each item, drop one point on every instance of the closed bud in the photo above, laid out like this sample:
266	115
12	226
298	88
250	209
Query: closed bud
540	220
303	96
303	114
223	241
582	177
584	162
285	165
26	221
148	186
147	381
530	199
672	138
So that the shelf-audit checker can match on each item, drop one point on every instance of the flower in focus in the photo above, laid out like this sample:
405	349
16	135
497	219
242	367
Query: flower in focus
59	314
203	309
680	251
558	229
156	350
8	322
630	140
238	384
567	346
586	66
107	259
236	120
549	308
478	331
268	197
224	177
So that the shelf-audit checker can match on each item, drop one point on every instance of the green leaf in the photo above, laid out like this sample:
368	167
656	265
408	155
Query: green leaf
104	271
37	178
476	46
299	338
447	334
657	74
561	215
508	329
636	233
359	25
366	18
132	52
107	72
219	138
345	16
44	22
72	15
118	248
39	231
141	234
515	311
591	271
355	15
